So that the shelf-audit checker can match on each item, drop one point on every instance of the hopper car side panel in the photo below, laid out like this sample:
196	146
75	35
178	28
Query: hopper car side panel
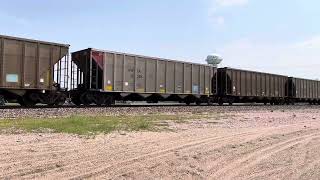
237	85
147	75
134	77
304	90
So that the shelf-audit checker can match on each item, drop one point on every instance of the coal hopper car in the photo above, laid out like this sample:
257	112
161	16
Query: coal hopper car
303	90
103	77
242	86
31	71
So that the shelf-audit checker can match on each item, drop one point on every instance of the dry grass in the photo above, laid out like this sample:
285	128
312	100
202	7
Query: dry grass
91	125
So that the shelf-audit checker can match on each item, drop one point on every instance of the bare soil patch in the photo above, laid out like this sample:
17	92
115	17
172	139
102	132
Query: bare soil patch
263	143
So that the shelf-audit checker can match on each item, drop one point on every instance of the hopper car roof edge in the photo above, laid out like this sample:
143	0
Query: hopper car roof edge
33	41
237	69
303	79
142	56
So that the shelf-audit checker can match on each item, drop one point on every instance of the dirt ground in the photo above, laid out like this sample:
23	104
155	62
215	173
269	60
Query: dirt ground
262	144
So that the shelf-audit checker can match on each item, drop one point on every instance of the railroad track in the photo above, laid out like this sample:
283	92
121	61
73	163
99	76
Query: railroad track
141	105
92	106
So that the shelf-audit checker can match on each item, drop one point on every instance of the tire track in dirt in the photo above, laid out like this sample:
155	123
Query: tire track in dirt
155	154
227	172
284	130
81	160
305	169
123	167
298	161
246	168
47	145
30	158
50	163
260	132
307	165
120	172
164	153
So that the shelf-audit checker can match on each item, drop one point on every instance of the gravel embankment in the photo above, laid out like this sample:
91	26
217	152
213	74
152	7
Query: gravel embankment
107	111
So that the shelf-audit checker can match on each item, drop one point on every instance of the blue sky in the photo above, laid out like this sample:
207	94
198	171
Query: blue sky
274	36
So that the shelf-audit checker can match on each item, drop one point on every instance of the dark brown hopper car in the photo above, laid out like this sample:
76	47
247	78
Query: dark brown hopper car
304	90
241	86
101	77
27	70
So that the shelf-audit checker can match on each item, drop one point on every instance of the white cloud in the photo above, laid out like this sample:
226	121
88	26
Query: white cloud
228	3
216	5
310	43
219	20
295	59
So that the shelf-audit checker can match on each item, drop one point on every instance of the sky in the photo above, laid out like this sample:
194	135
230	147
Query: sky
276	36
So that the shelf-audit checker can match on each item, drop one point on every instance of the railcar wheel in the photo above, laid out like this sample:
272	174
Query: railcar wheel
100	101
26	102
2	101
84	99
76	101
220	103
198	103
109	100
59	103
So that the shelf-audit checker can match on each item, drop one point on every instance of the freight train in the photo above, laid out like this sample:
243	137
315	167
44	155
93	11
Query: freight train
34	72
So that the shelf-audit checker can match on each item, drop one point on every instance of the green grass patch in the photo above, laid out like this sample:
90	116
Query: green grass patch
92	125
82	125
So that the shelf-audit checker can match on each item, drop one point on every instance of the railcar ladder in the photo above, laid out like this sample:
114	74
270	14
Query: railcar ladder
94	76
